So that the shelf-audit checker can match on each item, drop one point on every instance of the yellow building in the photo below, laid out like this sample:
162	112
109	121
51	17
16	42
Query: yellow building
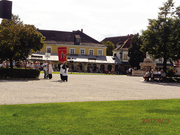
84	54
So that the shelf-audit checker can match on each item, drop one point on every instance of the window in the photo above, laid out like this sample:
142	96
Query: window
82	51
48	49
77	40
91	51
100	52
125	56
72	51
160	59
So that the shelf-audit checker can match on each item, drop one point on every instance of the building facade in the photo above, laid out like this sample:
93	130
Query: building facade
122	43
84	54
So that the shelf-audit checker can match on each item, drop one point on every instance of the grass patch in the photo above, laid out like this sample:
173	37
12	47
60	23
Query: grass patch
92	118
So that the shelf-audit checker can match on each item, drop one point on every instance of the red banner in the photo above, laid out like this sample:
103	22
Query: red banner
62	51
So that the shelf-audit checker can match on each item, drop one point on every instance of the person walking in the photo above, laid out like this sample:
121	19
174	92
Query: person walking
65	72
130	71
45	64
61	72
50	70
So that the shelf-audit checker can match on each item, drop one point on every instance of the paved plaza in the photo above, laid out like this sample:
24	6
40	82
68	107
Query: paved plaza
84	88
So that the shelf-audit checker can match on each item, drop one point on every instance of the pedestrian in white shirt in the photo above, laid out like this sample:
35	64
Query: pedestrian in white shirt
50	70
61	71
45	68
65	72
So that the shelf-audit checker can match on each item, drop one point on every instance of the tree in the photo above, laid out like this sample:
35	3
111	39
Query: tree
136	56
110	47
162	38
18	40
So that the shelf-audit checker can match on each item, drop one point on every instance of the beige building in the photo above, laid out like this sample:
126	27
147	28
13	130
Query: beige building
122	43
84	54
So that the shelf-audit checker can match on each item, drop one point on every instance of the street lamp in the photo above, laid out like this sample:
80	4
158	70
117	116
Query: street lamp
71	61
120	56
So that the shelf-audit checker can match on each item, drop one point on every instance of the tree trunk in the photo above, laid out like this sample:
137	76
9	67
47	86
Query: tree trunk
11	63
165	55
164	64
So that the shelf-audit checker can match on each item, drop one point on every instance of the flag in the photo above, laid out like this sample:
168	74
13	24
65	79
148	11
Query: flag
62	51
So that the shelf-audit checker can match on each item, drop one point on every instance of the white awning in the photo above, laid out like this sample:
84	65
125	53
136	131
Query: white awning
78	58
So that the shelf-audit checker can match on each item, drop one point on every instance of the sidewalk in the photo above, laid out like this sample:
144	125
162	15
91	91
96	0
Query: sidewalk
84	88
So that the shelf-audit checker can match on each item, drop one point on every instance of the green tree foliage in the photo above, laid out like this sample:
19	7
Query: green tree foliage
162	37
136	56
110	48
18	40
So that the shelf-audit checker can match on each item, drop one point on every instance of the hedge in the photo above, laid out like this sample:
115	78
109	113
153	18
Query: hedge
19	73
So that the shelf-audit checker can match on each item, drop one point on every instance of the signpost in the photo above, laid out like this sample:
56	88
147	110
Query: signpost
47	55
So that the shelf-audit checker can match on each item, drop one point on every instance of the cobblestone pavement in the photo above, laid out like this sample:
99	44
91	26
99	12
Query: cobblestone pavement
84	88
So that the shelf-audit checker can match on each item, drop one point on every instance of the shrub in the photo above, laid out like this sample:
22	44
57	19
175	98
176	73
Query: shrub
19	73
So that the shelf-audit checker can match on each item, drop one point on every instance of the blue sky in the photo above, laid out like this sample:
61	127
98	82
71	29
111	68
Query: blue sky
98	18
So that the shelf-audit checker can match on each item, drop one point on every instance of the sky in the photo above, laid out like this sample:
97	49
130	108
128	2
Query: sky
98	18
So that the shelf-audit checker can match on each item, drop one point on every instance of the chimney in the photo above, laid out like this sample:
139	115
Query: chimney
82	30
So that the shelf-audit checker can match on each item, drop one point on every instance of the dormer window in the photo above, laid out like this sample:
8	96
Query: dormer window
77	40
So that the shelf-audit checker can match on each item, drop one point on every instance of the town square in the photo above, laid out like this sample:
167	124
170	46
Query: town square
89	67
82	88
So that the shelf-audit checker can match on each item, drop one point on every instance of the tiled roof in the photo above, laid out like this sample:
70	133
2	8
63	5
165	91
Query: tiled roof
63	37
120	42
125	45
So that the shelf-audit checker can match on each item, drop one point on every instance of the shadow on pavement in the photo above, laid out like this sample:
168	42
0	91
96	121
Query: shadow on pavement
163	83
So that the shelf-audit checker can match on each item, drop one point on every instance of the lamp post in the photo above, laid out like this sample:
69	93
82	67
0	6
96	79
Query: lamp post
47	55
120	56
71	61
